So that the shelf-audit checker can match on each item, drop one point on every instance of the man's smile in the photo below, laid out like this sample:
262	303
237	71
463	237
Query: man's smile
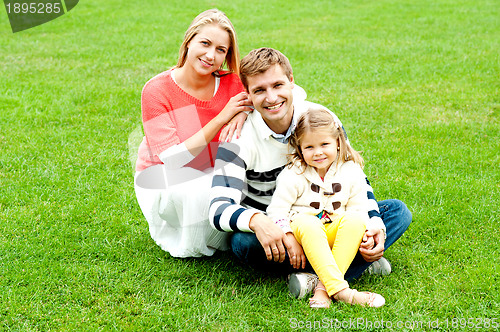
274	107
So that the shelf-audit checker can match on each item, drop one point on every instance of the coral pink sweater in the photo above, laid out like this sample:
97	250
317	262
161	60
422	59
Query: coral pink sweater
170	116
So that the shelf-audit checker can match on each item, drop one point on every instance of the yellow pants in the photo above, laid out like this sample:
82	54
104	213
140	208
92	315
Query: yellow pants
330	248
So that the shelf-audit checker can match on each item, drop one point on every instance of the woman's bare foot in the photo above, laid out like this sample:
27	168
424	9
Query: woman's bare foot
352	296
320	298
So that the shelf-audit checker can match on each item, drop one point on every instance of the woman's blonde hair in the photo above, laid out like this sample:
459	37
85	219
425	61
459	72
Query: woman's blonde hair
216	17
321	119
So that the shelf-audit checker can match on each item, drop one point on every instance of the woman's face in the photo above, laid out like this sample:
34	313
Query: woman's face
208	49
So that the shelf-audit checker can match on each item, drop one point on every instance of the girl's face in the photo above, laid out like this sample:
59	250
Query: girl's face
208	49
319	150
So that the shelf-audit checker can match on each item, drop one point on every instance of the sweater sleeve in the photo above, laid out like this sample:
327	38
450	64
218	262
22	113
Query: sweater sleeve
373	211
176	156
363	199
157	117
375	220
284	198
226	213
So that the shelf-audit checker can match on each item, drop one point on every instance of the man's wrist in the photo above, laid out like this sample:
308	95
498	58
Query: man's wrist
255	221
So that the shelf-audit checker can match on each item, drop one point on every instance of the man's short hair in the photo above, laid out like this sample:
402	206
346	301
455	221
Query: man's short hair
260	60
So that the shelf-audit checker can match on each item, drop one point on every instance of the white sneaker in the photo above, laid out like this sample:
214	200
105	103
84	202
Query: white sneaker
302	283
381	267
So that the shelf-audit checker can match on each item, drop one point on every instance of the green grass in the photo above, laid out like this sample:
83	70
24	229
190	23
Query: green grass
416	84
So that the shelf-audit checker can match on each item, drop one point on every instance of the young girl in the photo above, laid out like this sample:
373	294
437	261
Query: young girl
183	110
321	197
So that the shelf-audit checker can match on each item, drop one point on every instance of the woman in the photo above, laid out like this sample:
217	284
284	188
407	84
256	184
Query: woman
183	110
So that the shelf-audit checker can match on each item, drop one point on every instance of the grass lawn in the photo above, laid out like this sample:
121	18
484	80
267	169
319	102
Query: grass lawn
416	84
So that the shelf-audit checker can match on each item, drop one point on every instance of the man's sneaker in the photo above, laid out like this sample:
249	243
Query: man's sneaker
302	283
381	267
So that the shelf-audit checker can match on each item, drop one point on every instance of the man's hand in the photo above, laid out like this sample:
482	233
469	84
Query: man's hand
270	236
295	253
372	246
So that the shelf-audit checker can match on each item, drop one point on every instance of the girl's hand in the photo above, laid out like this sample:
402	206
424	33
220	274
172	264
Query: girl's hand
235	124
372	246
235	105
367	242
295	253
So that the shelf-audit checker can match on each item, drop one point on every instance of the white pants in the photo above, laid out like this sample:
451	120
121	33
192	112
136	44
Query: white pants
175	204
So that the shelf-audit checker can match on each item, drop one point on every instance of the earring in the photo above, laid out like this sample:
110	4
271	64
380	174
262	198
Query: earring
338	148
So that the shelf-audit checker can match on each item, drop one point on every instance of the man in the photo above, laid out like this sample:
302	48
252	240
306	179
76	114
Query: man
246	171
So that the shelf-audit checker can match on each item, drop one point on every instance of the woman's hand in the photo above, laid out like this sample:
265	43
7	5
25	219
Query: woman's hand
295	253
235	105
196	143
235	124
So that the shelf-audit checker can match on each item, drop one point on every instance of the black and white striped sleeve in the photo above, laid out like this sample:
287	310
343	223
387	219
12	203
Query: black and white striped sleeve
373	210
226	213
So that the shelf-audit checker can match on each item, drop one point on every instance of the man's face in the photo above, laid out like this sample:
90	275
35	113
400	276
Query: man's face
271	95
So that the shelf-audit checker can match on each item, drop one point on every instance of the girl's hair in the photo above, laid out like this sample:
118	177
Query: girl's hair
216	17
321	119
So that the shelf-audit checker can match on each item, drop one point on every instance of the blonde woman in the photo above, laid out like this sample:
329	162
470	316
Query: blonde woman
183	112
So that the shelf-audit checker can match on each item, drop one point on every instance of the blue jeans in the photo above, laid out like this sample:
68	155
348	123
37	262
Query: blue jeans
248	249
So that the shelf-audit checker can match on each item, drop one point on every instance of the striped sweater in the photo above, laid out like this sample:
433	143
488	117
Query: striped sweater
246	170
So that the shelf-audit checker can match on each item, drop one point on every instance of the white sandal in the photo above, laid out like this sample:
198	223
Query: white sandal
316	303
374	300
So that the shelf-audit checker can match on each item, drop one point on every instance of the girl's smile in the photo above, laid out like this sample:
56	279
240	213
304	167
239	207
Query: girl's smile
319	150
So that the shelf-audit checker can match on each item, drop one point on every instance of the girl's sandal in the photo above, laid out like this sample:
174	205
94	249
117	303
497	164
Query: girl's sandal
374	300
313	303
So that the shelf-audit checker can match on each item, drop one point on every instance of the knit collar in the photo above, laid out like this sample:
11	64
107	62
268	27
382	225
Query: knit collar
312	175
193	100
